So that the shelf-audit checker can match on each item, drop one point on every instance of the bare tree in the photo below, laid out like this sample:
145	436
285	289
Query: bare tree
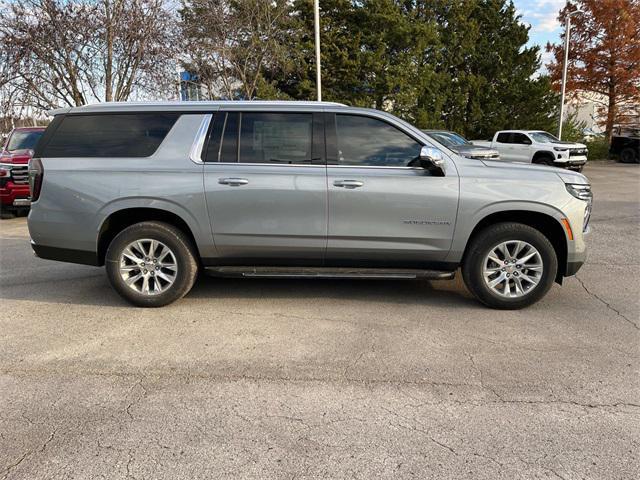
230	42
139	47
67	53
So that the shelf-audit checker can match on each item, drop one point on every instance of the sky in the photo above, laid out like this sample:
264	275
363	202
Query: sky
542	16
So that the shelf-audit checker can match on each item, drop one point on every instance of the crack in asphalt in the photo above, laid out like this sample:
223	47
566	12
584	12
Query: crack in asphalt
14	465
440	443
129	461
140	397
338	380
28	453
607	304
481	377
353	363
501	399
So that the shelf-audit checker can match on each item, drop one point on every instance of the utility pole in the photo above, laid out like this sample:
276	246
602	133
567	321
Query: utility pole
316	15
567	35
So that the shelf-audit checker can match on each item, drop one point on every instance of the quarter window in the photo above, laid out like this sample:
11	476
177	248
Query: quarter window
110	135
365	141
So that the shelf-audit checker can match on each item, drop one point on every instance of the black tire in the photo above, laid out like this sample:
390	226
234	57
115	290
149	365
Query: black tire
487	240
544	160
629	155
175	240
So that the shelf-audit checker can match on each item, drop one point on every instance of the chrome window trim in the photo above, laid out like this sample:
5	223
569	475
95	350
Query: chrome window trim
313	165
376	167
269	164
195	154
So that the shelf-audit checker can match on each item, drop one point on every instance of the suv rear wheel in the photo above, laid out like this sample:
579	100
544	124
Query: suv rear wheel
628	155
509	266
151	264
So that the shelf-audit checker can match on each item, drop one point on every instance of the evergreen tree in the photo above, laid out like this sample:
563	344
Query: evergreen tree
490	73
462	65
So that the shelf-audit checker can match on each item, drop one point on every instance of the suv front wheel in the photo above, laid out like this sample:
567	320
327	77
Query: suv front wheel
509	266
151	264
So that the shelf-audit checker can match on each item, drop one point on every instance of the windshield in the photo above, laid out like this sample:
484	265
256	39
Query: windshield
543	137
447	139
24	140
457	139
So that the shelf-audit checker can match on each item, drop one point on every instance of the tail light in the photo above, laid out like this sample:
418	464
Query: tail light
16	159
36	172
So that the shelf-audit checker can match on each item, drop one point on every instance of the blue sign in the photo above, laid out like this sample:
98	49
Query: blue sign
187	77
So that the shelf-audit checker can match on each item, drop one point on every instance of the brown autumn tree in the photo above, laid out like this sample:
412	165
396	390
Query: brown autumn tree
604	55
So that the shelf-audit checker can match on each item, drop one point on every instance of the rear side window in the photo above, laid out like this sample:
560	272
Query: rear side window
260	137
110	135
276	138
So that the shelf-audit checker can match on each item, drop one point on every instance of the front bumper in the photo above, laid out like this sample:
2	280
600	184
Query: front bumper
573	164
12	195
577	252
572	268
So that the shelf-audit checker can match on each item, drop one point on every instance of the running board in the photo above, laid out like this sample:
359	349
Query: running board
328	272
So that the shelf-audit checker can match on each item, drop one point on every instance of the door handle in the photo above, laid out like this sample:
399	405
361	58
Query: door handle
348	183
233	182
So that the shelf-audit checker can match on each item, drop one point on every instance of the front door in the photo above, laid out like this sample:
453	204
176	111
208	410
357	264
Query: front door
265	183
383	210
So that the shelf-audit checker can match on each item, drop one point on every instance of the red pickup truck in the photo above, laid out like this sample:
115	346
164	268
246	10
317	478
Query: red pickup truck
14	177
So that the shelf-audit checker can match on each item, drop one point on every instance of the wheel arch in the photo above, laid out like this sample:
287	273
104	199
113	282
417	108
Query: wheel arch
542	154
545	223
120	219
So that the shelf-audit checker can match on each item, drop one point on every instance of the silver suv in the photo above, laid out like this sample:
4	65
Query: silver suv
160	191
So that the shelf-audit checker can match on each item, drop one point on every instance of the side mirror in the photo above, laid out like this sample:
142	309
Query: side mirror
431	159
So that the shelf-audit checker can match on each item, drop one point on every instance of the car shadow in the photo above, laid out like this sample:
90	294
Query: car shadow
89	286
404	292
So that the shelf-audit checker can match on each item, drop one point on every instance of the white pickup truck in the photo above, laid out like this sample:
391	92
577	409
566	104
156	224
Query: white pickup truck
533	146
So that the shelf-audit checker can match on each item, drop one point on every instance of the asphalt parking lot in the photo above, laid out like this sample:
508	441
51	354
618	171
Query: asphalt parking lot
325	379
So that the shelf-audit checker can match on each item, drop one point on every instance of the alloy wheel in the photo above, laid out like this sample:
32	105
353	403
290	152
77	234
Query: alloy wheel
148	266
512	269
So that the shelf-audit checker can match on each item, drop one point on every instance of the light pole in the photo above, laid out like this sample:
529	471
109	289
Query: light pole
316	16
567	35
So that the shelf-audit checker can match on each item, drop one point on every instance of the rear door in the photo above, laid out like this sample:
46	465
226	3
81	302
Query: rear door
521	147
506	147
265	183
383	210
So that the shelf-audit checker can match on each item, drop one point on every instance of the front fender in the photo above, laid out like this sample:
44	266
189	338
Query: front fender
465	228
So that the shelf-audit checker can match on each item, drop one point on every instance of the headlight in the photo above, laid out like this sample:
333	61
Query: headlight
582	191
560	149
